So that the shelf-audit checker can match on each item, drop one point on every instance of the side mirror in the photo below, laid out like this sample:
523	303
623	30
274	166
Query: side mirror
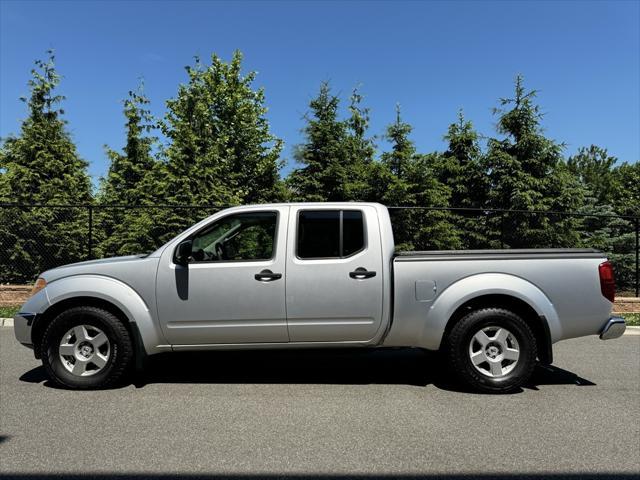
183	252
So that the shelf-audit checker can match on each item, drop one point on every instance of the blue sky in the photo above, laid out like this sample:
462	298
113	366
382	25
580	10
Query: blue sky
431	57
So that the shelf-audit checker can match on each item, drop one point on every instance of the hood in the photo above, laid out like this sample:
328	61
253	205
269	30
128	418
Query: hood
104	266
99	261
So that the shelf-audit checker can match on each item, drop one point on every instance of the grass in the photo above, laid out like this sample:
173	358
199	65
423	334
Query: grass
632	319
9	311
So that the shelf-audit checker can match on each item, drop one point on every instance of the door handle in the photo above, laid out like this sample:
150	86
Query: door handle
267	276
361	273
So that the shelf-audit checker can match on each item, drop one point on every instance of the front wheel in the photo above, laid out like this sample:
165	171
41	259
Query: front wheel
492	350
86	347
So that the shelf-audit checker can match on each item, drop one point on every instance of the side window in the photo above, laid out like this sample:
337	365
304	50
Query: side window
329	233
352	232
319	234
245	236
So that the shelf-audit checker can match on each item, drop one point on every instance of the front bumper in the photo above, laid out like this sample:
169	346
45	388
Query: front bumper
22	323
614	328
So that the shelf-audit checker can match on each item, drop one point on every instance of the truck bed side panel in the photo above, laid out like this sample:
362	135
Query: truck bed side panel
563	286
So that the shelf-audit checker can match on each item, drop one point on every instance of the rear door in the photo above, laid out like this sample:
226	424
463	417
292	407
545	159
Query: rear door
334	275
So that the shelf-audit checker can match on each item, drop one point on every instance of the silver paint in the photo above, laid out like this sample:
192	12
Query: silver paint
317	303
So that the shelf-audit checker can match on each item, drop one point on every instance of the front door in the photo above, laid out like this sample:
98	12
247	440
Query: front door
232	290
334	274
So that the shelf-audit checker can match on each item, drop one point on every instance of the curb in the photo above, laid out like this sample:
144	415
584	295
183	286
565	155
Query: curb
6	322
632	330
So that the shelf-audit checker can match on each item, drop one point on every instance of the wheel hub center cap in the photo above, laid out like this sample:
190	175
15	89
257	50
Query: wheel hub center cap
493	351
85	349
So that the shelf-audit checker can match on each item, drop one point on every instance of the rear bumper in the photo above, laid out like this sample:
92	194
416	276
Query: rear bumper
614	328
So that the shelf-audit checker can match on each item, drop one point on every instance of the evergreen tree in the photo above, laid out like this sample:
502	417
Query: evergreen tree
409	179
526	171
134	178
129	169
325	153
360	168
594	168
613	235
460	168
41	165
627	193
220	148
608	193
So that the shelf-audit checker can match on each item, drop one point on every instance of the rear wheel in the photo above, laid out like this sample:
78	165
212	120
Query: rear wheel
492	350
86	347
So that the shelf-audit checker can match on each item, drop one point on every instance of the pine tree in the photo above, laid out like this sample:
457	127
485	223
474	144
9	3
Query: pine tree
626	201
613	235
41	165
325	153
134	178
527	172
627	191
360	167
594	169
460	168
409	179
129	169
221	150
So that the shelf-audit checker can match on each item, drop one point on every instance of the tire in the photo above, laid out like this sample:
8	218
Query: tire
501	360
86	348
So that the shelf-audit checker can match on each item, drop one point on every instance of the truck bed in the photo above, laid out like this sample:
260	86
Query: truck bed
562	283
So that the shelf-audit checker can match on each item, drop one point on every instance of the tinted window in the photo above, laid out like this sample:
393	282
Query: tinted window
352	232
246	236
319	233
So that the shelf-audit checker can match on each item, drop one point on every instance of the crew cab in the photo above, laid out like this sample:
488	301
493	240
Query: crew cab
316	275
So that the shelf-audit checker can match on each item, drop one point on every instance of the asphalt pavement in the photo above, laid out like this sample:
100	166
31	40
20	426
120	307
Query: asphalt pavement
325	414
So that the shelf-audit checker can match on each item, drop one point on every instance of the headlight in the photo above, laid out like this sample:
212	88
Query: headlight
39	285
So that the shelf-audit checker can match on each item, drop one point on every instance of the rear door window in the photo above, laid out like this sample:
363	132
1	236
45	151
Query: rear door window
330	233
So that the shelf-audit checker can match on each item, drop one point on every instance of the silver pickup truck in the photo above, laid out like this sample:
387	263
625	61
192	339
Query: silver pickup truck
304	275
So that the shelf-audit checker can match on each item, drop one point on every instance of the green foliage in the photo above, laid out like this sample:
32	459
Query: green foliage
220	151
360	167
410	179
325	155
41	165
9	311
594	169
613	235
526	171
626	197
632	319
610	190
460	167
218	129
135	177
337	156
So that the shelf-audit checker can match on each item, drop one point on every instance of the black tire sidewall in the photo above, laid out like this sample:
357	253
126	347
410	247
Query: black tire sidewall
61	325
476	321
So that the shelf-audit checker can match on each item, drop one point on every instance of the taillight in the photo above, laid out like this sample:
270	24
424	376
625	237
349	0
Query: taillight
607	281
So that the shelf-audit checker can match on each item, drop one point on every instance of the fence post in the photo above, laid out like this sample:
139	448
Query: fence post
90	232
501	229
637	255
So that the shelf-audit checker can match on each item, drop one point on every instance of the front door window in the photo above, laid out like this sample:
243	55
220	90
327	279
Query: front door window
241	237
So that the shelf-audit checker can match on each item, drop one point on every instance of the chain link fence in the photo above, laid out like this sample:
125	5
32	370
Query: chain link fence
34	238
